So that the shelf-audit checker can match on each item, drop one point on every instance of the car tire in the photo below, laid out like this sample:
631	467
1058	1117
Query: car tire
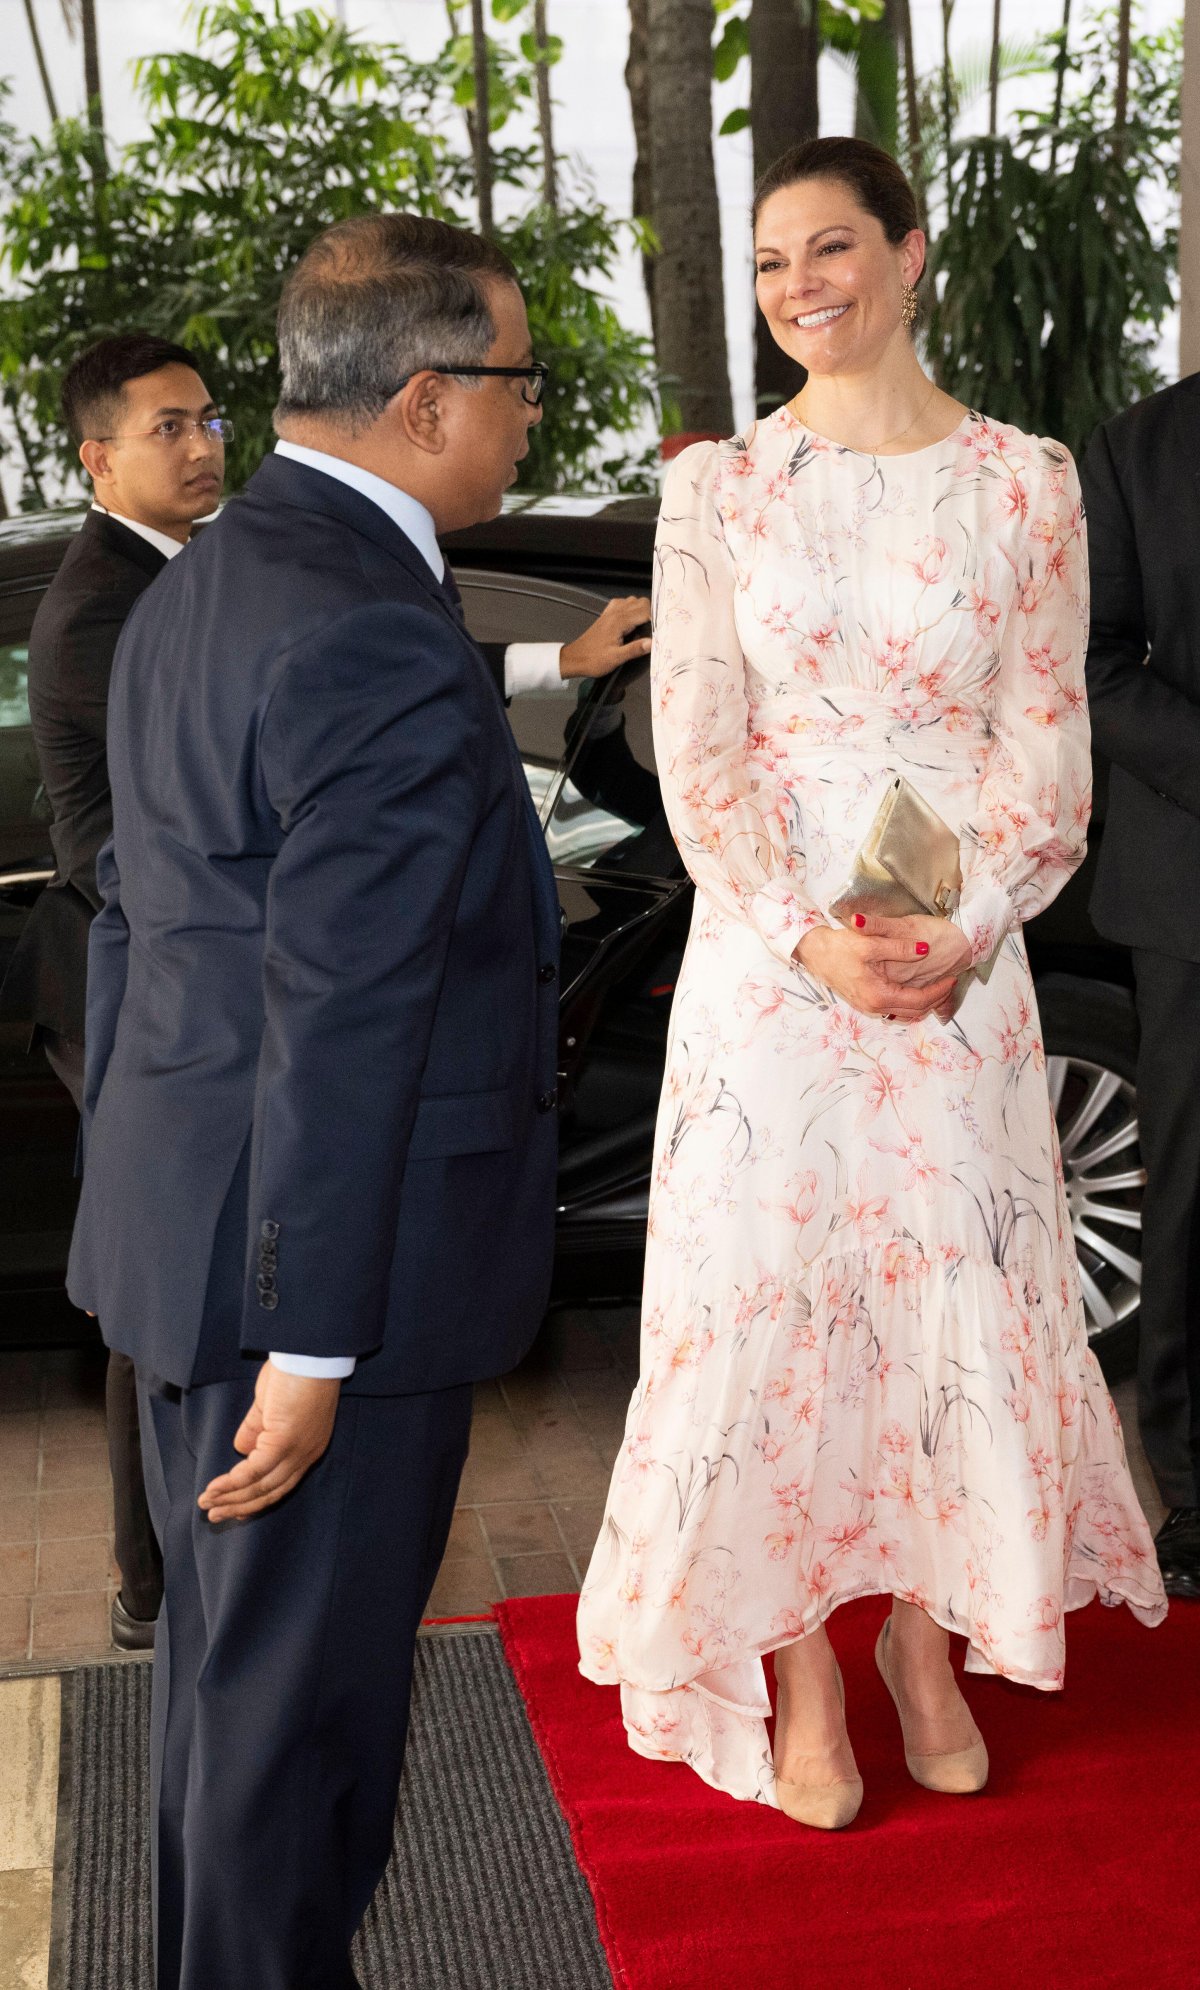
1090	1033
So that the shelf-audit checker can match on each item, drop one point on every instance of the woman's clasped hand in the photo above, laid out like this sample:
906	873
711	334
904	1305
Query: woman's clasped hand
905	968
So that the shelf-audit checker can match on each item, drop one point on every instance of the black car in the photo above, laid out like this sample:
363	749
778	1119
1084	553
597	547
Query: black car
541	572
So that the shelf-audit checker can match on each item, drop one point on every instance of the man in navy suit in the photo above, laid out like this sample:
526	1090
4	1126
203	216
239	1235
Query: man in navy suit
319	1120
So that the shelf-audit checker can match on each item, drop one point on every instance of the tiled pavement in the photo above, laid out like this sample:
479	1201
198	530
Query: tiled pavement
531	1501
529	1509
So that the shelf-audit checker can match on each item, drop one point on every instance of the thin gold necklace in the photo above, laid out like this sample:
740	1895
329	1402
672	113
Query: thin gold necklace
888	439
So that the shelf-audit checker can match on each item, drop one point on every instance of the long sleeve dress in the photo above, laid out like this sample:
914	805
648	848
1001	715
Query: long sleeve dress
864	1360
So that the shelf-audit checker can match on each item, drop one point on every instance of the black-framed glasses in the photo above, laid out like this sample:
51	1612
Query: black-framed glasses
535	376
174	429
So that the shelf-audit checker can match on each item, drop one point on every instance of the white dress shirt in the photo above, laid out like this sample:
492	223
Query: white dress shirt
161	541
527	667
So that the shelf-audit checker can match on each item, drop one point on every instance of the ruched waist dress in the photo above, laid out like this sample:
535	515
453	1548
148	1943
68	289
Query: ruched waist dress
864	1359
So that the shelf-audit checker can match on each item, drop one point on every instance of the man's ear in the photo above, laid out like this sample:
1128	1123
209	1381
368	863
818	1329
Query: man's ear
420	409
95	459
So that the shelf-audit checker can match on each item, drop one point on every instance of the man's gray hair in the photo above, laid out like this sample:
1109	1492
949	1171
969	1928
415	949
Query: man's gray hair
374	299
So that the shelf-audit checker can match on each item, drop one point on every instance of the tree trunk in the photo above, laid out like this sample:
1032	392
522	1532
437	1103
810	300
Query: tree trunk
689	282
947	102
1060	79
785	49
877	110
481	122
637	82
91	65
912	116
994	73
545	111
1121	104
40	58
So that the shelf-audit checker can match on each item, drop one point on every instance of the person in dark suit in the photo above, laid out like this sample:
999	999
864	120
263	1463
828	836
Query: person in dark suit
152	442
1142	495
319	1136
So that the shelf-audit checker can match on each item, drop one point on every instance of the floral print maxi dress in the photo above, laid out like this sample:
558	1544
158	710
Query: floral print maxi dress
864	1360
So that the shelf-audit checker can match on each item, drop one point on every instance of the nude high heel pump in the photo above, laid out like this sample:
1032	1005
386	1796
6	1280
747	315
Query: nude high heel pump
958	1772
828	1806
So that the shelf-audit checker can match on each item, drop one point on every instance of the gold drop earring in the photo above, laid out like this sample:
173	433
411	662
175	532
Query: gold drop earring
908	306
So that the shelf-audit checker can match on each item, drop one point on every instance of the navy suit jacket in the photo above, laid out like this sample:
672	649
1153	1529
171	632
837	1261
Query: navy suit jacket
322	992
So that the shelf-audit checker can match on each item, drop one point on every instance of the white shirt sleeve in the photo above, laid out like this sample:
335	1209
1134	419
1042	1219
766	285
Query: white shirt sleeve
534	667
317	1367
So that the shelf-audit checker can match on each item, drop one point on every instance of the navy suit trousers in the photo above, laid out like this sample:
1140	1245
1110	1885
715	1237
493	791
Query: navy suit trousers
281	1680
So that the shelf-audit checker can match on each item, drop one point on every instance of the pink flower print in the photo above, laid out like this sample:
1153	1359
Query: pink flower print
842	1033
1039	1522
862	1212
894	1438
980	439
1068	1404
933	560
804	1196
631	1588
1014	499
825	637
846	1536
788	1624
769	1448
780	1387
1040	715
883	1089
984	608
894	656
779	1546
819	1581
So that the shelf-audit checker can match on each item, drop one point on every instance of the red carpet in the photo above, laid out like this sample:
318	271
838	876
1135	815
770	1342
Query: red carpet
1079	1867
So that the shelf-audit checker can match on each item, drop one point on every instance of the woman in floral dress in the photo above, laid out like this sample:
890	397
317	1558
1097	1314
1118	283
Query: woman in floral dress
864	1360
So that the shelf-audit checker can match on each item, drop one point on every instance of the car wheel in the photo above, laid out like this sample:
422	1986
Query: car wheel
1090	1033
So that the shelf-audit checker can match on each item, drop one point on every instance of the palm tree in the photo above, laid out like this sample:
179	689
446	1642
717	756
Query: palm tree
637	82
40	58
785	48
689	283
545	109
479	124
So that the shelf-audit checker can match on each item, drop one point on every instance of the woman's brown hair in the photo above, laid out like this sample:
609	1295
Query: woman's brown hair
878	184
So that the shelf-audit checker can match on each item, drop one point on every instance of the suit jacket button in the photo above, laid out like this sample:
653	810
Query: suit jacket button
547	972
268	1229
269	1299
547	1102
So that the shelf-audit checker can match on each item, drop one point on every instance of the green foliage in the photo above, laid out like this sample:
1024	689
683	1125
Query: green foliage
1052	285
271	129
840	25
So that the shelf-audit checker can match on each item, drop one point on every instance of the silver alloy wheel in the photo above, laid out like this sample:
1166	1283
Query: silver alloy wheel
1096	1111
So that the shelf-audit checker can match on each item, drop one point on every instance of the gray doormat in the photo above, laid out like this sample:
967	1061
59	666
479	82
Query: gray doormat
482	1893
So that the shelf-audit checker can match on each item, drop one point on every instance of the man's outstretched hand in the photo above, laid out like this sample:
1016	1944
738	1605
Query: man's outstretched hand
286	1429
603	647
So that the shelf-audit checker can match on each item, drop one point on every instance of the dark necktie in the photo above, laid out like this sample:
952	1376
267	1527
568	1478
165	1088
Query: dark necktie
454	598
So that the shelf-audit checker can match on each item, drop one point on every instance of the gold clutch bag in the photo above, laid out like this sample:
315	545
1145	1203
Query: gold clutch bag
908	862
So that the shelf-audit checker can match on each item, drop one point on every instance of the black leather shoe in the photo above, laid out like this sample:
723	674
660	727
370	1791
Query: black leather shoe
1178	1545
130	1633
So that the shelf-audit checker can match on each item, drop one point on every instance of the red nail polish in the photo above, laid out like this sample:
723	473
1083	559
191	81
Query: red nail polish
922	946
859	920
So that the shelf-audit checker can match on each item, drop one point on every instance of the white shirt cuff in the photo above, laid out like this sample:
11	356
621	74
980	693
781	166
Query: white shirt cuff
533	667
317	1367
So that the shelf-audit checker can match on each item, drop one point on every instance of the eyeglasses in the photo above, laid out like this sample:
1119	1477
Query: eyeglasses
535	376
176	429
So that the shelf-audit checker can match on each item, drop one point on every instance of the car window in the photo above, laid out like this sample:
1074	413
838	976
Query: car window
14	694
608	812
515	608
